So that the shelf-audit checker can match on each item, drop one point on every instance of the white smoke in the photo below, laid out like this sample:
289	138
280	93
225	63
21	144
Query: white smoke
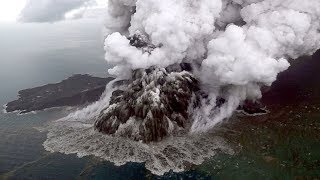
238	45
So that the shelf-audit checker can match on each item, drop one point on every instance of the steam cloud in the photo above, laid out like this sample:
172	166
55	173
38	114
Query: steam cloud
236	46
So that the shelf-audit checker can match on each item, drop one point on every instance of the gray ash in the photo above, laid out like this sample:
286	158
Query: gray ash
153	105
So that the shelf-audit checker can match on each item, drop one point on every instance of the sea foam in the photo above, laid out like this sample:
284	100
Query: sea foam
75	134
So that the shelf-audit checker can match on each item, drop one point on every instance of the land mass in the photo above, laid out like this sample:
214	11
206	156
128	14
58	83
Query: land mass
76	90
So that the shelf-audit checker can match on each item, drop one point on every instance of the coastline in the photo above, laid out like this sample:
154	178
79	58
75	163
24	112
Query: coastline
19	112
243	112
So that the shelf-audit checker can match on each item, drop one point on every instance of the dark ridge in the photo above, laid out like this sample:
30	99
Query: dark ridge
296	84
76	90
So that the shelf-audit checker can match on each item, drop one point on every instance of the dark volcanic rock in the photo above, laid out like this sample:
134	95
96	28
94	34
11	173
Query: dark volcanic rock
152	105
252	108
142	42
76	90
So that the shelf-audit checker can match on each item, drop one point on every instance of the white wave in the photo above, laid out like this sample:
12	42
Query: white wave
4	110
255	114
19	113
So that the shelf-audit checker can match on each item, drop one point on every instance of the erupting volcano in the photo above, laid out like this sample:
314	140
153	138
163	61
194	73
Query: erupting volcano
182	67
190	64
152	104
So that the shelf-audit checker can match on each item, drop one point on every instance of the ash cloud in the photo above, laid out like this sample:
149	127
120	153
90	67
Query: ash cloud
237	46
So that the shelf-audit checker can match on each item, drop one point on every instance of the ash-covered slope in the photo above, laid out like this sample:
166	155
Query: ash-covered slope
152	105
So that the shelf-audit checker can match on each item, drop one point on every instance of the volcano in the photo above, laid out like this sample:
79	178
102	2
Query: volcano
153	103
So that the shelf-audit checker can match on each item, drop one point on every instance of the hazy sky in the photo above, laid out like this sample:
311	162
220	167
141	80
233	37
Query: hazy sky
48	10
10	9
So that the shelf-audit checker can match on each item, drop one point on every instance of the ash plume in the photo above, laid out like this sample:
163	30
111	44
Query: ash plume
234	46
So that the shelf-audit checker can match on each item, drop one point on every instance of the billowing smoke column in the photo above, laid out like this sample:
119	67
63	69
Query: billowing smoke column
233	48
